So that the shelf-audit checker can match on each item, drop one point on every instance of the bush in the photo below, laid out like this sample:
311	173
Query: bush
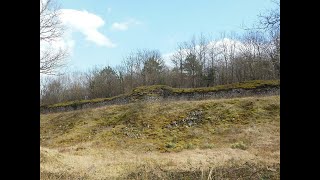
170	145
189	146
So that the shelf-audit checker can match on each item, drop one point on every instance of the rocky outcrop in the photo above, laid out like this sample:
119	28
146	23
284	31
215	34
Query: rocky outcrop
164	94
193	118
227	93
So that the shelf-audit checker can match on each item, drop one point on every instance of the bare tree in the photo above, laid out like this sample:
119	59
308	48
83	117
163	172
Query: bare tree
178	59
52	90
129	64
51	30
202	52
193	67
121	70
271	20
51	60
226	59
213	53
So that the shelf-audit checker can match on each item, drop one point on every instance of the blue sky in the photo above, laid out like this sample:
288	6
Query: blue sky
102	32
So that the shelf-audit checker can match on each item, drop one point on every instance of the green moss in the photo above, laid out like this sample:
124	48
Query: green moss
189	146
170	145
239	145
155	90
207	146
148	89
82	102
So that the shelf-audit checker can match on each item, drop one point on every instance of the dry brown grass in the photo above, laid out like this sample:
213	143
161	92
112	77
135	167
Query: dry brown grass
104	164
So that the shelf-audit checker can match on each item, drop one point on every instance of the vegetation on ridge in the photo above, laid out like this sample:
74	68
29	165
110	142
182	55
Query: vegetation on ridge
155	89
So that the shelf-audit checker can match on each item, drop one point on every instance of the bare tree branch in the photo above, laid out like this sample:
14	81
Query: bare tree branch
51	60
51	29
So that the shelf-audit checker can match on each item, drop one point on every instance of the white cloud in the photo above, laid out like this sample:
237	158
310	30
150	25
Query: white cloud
217	45
119	26
167	59
65	42
123	26
86	23
227	43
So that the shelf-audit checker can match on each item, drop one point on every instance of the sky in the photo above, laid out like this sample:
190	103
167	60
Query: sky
102	32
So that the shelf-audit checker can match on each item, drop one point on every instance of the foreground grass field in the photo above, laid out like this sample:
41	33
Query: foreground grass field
209	139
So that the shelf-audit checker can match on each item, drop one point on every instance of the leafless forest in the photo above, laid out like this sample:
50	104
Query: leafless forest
200	61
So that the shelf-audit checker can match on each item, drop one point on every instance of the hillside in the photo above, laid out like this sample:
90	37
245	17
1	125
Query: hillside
158	91
224	138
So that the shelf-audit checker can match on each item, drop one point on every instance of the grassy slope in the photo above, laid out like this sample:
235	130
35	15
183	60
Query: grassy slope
117	139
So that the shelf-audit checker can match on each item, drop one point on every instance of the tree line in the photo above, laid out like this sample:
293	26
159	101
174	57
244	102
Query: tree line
198	62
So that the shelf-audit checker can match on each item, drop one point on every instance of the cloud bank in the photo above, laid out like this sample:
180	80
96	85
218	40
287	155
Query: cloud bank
86	23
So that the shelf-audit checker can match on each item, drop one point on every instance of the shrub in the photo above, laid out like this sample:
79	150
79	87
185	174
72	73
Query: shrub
189	146
170	145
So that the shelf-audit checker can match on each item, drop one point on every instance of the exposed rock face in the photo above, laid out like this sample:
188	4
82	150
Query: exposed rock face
166	95
227	94
193	118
